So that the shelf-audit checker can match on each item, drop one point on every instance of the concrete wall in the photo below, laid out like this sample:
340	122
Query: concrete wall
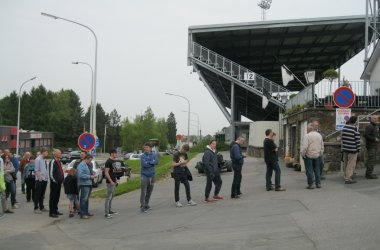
375	78
257	136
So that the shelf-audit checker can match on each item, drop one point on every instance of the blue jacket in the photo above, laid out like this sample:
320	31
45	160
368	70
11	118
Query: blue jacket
148	164
84	175
210	161
236	154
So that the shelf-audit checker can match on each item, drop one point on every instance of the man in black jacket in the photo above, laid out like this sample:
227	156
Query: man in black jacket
56	179
237	159
210	162
371	135
271	159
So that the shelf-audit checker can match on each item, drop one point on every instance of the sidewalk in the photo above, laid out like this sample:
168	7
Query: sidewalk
338	216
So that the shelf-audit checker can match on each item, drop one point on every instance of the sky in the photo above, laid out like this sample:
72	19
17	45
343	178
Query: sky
142	50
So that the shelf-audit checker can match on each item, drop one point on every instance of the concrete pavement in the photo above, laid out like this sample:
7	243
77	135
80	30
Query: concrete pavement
338	216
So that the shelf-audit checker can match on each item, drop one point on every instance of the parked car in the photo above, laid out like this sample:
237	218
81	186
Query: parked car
65	158
127	155
222	164
96	168
121	169
135	157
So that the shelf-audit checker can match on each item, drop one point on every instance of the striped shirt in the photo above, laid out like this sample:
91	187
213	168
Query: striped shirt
350	139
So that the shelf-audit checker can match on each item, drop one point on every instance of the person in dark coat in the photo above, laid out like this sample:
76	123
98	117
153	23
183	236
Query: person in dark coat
237	159
271	160
210	162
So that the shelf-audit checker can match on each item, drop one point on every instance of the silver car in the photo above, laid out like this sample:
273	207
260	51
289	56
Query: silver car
95	167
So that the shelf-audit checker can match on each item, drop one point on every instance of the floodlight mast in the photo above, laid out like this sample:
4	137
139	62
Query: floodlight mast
264	5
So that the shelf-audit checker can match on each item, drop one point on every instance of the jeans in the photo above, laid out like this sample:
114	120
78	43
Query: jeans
11	188
40	194
147	184
321	164
110	195
273	166
235	189
3	203
313	172
84	197
217	182
371	161
178	178
30	189
55	193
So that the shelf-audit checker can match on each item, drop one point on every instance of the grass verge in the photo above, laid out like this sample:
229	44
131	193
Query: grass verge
162	170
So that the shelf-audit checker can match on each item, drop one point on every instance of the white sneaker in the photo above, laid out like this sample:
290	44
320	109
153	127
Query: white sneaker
178	204
191	203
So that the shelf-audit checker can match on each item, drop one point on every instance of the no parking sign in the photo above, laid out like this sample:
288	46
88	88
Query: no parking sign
344	97
86	141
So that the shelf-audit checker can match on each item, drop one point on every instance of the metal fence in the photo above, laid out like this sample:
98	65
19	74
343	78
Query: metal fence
366	96
237	71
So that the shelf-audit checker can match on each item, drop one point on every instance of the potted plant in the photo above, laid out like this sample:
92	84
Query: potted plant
330	75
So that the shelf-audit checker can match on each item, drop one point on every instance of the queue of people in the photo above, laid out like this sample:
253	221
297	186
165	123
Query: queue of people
36	172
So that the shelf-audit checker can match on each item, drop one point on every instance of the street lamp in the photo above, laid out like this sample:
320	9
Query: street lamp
199	130
188	113
18	114
93	97
92	94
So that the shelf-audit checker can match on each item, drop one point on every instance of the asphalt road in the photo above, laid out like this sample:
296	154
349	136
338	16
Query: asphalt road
337	216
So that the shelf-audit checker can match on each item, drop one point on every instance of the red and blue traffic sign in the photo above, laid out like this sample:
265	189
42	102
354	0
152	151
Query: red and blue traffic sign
344	97
86	141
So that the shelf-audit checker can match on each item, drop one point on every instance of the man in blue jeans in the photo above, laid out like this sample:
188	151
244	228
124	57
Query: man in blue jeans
237	159
271	160
84	185
311	151
149	162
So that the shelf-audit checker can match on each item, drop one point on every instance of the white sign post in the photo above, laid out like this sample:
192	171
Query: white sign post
249	76
342	116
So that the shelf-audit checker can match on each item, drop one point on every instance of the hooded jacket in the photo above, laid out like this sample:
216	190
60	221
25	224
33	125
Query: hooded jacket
148	164
210	161
236	154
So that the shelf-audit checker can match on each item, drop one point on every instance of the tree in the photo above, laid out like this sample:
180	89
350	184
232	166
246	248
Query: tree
330	75
172	129
8	109
114	129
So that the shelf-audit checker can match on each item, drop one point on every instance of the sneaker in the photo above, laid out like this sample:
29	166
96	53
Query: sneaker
71	215
191	203
37	211
349	182
107	216
217	197
8	211
90	214
319	186
14	206
85	217
59	213
113	212
53	215
207	200
235	196
280	189
269	188
143	210
371	176
178	204
148	207
310	187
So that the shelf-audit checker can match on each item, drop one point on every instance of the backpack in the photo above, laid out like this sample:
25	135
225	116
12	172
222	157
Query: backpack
30	174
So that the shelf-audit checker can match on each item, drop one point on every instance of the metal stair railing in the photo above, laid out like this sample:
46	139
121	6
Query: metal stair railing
226	66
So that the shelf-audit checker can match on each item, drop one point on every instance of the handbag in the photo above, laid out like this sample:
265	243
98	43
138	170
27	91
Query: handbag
188	174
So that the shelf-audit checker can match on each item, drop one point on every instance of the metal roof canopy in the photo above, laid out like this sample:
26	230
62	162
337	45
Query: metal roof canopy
301	44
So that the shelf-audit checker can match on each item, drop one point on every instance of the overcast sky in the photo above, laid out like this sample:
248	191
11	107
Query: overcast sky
142	49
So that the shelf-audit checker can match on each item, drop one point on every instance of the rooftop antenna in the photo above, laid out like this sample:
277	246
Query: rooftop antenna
264	5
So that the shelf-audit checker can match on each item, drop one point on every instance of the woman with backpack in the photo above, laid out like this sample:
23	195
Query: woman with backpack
30	179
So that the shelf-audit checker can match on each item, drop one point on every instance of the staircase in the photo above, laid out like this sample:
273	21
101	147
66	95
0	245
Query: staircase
239	74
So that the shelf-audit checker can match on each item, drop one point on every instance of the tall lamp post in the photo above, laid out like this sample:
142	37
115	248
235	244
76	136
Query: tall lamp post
199	129
93	97
92	94
188	113
18	114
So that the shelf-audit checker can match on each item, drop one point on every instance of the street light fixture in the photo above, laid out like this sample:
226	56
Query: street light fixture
93	97
188	113
18	114
92	94
199	130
